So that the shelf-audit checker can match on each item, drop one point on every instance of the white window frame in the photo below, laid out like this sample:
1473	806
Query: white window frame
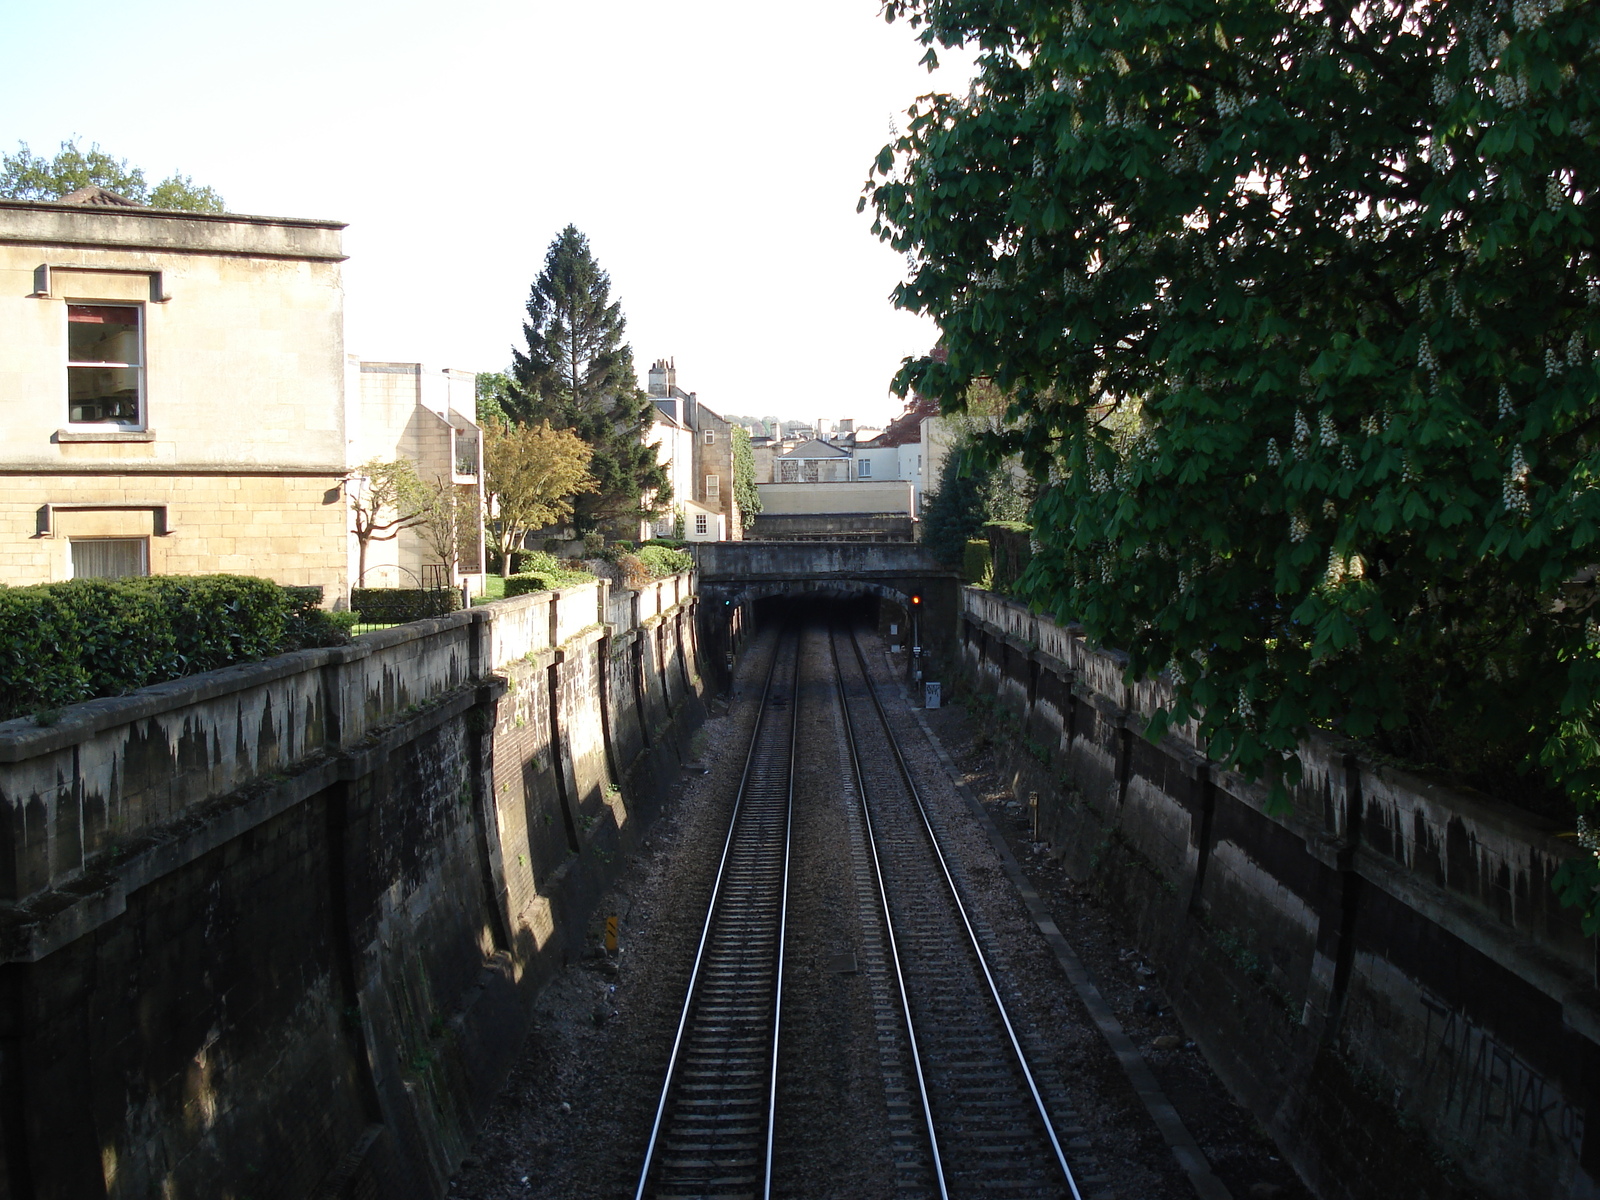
713	487
864	468
701	523
711	437
143	421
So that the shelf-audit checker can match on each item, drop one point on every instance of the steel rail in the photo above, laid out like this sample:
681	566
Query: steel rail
955	893
888	922
712	912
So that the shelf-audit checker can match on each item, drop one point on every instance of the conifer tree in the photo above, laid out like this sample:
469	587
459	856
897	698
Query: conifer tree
577	373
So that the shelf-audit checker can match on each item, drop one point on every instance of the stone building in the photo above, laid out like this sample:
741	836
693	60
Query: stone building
173	389
429	416
706	490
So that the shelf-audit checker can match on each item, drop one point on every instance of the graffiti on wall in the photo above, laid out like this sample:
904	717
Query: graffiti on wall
1484	1087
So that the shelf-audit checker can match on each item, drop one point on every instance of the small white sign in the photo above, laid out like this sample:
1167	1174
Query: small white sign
930	695
893	629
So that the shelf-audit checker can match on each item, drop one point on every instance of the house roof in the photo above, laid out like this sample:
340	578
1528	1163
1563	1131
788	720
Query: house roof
816	449
906	429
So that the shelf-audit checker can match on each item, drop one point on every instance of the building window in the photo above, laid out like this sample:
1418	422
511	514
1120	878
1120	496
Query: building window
700	525
713	487
105	365
109	558
711	437
864	469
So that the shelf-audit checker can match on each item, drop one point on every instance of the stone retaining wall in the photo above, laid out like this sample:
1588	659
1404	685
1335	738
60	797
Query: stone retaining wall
274	931
1381	972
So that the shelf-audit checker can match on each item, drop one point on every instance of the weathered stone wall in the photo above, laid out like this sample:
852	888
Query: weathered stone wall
1381	971
274	931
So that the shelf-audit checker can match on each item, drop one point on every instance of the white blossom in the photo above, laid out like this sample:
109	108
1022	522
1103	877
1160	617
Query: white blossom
1274	458
1575	350
1425	359
1302	427
1326	431
1552	364
1298	528
1507	409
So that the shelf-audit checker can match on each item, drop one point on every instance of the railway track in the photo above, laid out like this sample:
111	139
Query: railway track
713	1128
969	1116
989	1131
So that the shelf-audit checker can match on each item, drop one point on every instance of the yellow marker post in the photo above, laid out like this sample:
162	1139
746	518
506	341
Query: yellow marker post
611	935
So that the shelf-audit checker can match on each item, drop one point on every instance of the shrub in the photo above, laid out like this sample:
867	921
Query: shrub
662	560
594	544
671	543
396	606
977	563
544	581
524	561
62	643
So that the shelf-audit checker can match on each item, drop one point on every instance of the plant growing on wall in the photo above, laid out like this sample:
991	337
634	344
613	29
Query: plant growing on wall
531	475
385	498
1296	305
576	372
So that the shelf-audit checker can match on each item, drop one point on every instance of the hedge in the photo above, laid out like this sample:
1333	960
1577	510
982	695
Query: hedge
396	606
977	563
1011	549
544	581
61	643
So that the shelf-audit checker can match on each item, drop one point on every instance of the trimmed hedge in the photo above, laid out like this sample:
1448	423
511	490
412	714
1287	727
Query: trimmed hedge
669	543
1011	549
544	581
977	563
396	606
62	643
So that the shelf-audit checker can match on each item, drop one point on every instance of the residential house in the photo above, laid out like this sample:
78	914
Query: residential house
174	394
706	490
429	416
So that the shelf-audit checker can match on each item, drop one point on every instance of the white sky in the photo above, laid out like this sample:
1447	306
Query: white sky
712	150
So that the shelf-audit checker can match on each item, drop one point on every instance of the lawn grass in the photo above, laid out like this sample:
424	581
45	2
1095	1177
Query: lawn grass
494	588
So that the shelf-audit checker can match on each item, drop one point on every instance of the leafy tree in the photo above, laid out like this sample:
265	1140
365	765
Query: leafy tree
746	496
1295	303
531	475
385	497
28	176
451	523
577	373
492	391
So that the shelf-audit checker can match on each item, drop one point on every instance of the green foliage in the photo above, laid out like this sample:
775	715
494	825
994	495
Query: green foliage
1010	551
746	496
977	563
544	581
525	561
577	373
492	390
662	560
28	176
396	606
61	643
1295	305
954	514
669	543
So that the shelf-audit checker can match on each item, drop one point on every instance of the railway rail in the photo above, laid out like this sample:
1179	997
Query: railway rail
989	1129
975	1118
713	1128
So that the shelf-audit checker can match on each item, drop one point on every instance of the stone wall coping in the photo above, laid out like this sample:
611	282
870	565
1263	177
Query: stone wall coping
1484	810
22	738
